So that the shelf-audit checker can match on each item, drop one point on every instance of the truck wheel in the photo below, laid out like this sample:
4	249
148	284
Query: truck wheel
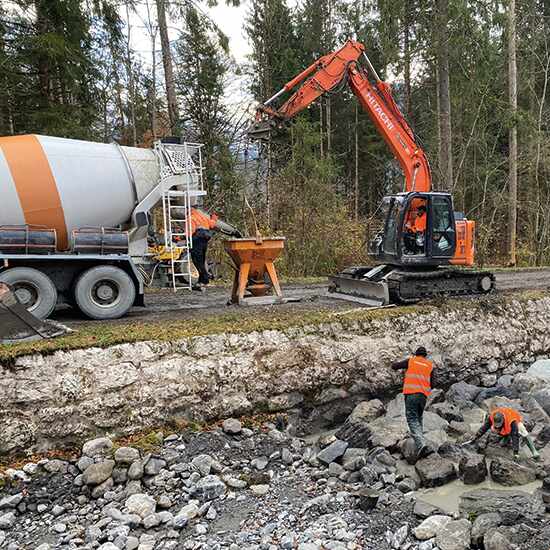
104	292
34	289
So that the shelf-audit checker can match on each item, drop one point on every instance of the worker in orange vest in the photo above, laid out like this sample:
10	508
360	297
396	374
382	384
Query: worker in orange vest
415	237
201	227
417	386
508	424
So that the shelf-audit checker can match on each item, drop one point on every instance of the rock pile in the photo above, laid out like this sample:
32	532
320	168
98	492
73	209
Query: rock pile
241	489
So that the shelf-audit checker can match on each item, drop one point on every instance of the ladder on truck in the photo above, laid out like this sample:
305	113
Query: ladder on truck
181	183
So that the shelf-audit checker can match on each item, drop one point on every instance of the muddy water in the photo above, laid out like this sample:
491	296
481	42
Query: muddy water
447	497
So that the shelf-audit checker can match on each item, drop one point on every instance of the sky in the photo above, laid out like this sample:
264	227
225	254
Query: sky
229	19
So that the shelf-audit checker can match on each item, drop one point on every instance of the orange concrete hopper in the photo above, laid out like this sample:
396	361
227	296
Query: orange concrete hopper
253	259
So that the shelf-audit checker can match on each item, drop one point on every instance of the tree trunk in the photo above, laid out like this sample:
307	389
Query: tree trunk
131	85
513	137
168	67
153	35
43	62
407	60
356	182
445	128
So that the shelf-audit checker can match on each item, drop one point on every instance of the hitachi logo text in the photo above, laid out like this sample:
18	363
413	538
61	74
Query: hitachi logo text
378	110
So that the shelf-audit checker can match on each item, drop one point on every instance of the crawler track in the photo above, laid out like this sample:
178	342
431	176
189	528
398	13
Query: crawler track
408	287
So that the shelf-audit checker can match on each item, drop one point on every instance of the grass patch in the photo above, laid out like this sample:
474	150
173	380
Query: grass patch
103	335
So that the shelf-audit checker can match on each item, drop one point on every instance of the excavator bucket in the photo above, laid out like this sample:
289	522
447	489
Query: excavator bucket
264	130
17	324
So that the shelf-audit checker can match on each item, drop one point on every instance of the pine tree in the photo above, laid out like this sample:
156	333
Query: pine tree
201	78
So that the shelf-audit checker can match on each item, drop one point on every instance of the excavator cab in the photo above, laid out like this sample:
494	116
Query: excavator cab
418	229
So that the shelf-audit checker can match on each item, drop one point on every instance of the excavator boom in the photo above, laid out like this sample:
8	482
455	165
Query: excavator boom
327	74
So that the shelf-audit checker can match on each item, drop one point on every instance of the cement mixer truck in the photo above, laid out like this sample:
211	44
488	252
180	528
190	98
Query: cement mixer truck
75	218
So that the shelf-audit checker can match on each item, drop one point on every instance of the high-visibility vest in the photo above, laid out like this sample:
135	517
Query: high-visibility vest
420	223
418	376
201	220
510	415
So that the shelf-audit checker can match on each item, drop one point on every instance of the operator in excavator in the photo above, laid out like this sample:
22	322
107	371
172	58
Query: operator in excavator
508	424
417	387
415	236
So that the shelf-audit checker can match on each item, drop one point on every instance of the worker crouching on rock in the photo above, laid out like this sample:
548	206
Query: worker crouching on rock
417	386
508	424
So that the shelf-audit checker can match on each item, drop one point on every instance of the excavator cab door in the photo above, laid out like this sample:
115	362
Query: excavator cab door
443	229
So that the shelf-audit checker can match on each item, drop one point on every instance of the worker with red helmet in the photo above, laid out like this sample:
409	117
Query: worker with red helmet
508	424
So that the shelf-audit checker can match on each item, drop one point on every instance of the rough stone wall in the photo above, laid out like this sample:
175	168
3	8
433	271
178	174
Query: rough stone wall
58	400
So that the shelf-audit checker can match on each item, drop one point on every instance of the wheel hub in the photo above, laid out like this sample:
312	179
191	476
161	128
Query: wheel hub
26	294
105	293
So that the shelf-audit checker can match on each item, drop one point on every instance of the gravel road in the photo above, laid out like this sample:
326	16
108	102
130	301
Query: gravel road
167	305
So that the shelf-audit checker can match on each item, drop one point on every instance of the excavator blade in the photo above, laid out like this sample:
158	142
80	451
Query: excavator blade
17	324
363	291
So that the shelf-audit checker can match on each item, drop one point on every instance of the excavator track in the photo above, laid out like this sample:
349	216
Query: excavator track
412	286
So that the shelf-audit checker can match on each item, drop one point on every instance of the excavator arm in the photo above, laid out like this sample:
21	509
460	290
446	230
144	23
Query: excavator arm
327	74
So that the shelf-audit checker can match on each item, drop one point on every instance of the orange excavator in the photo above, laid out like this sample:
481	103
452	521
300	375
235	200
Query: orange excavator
425	245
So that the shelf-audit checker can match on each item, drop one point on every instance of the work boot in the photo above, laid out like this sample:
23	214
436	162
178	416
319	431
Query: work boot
425	451
532	448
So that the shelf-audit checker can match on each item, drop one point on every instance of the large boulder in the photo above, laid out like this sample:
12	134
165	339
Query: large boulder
482	524
389	430
141	504
460	392
355	434
448	411
472	469
455	535
367	411
408	450
495	540
542	396
209	488
540	369
435	471
507	472
333	452
513	506
97	447
431	526
98	473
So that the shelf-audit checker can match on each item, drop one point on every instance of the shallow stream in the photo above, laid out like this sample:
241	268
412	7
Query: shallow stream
447	497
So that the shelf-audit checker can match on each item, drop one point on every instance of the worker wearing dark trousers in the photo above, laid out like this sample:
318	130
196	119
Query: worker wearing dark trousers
508	424
201	237
417	386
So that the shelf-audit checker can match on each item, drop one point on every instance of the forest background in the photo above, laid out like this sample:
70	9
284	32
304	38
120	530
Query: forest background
471	77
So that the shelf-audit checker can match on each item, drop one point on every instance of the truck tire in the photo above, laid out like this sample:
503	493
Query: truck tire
34	289
104	292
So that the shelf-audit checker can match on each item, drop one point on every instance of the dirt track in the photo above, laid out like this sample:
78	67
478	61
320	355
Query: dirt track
165	304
